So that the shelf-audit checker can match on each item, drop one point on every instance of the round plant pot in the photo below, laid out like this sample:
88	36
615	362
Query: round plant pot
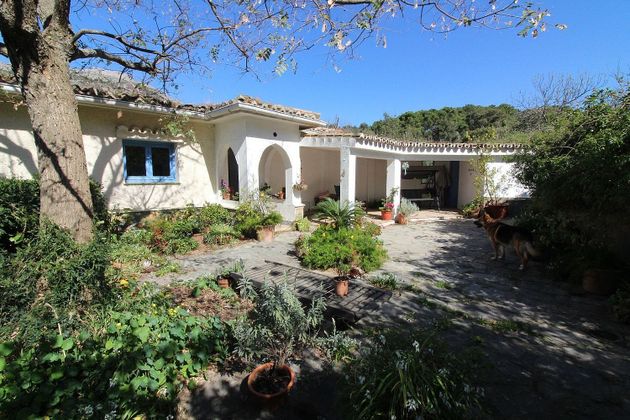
265	234
341	287
601	281
227	195
223	282
260	370
386	215
498	211
401	219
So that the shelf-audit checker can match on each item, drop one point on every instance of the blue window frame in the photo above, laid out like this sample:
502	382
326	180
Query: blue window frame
149	162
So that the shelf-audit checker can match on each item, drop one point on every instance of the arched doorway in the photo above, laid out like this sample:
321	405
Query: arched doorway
232	172
274	172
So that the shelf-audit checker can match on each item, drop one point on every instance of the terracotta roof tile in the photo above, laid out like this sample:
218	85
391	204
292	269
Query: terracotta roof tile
385	141
114	85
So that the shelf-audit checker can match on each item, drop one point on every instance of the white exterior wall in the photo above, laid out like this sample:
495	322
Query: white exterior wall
509	187
103	149
371	179
320	170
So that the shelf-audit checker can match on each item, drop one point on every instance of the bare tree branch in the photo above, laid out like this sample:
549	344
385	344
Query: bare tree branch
3	50
82	53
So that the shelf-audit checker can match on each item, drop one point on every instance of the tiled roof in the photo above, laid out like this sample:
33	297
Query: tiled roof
109	84
385	141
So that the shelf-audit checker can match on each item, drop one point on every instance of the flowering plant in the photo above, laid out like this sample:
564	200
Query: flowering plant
224	186
387	204
300	185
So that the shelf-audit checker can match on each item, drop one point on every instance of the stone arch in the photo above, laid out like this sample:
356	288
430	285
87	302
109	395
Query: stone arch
275	169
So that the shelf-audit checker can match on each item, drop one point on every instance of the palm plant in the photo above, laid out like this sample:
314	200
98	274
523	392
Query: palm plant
339	215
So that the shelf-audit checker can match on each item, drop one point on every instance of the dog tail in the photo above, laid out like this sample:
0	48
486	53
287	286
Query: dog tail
533	252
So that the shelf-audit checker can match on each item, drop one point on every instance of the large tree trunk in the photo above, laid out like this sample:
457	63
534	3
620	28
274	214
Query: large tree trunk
40	60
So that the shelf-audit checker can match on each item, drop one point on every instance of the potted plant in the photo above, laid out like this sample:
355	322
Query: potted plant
265	230
278	328
405	210
300	185
345	273
387	204
226	192
488	183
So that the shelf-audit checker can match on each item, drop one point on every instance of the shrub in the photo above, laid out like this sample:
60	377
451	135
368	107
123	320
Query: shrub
386	281
407	207
337	214
279	326
249	218
621	303
214	214
472	209
303	225
132	255
51	281
173	237
329	248
410	375
136	357
220	234
19	211
371	229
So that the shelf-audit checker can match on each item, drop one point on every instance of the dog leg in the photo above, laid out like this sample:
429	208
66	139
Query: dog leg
502	249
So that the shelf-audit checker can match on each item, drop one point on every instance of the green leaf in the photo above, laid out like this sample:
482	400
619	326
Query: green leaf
3	363
58	374
6	349
67	344
142	333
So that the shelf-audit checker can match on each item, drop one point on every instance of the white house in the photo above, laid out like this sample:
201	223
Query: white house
244	143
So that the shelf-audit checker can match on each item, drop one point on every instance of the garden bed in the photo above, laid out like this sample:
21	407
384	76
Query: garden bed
209	302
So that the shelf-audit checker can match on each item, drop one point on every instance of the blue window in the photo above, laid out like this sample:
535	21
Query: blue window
149	162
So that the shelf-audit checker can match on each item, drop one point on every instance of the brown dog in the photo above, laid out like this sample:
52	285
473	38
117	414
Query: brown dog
502	235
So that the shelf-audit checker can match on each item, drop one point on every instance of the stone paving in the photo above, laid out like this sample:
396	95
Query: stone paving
553	351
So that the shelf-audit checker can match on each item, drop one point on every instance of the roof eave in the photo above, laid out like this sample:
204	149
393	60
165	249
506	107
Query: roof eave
218	113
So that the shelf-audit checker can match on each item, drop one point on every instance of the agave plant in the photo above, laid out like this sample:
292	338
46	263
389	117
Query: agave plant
339	215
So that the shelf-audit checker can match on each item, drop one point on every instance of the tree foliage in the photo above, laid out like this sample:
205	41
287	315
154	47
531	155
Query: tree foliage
579	175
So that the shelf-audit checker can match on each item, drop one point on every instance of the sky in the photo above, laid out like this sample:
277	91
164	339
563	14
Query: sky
419	70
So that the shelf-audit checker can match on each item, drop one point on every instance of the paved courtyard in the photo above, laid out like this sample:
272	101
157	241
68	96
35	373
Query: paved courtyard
552	350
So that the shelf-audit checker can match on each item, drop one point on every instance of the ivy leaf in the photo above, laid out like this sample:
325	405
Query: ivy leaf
67	344
6	349
142	333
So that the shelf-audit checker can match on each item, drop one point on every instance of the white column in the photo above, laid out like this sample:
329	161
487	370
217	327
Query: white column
393	180
347	175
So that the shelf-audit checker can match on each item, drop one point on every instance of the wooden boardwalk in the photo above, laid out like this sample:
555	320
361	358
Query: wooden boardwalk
360	300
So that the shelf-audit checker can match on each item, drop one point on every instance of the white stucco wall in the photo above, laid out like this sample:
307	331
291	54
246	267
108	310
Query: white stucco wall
103	149
502	172
371	179
320	170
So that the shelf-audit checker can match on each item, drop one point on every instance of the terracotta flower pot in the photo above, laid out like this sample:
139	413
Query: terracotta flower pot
341	287
265	234
223	282
284	370
386	214
227	195
401	219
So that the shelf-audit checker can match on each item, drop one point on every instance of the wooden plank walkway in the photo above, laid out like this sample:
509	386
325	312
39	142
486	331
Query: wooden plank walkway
361	298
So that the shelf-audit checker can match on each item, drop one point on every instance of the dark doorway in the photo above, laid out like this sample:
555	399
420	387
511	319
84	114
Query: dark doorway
453	190
232	172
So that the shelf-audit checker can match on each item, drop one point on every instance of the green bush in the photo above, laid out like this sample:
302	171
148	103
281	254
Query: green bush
337	214
131	254
248	218
19	210
220	234
51	281
279	325
385	281
407	207
173	237
621	303
328	248
136	357
214	214
410	375
303	225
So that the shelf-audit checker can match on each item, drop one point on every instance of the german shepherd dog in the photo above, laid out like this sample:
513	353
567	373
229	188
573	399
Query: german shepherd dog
502	235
